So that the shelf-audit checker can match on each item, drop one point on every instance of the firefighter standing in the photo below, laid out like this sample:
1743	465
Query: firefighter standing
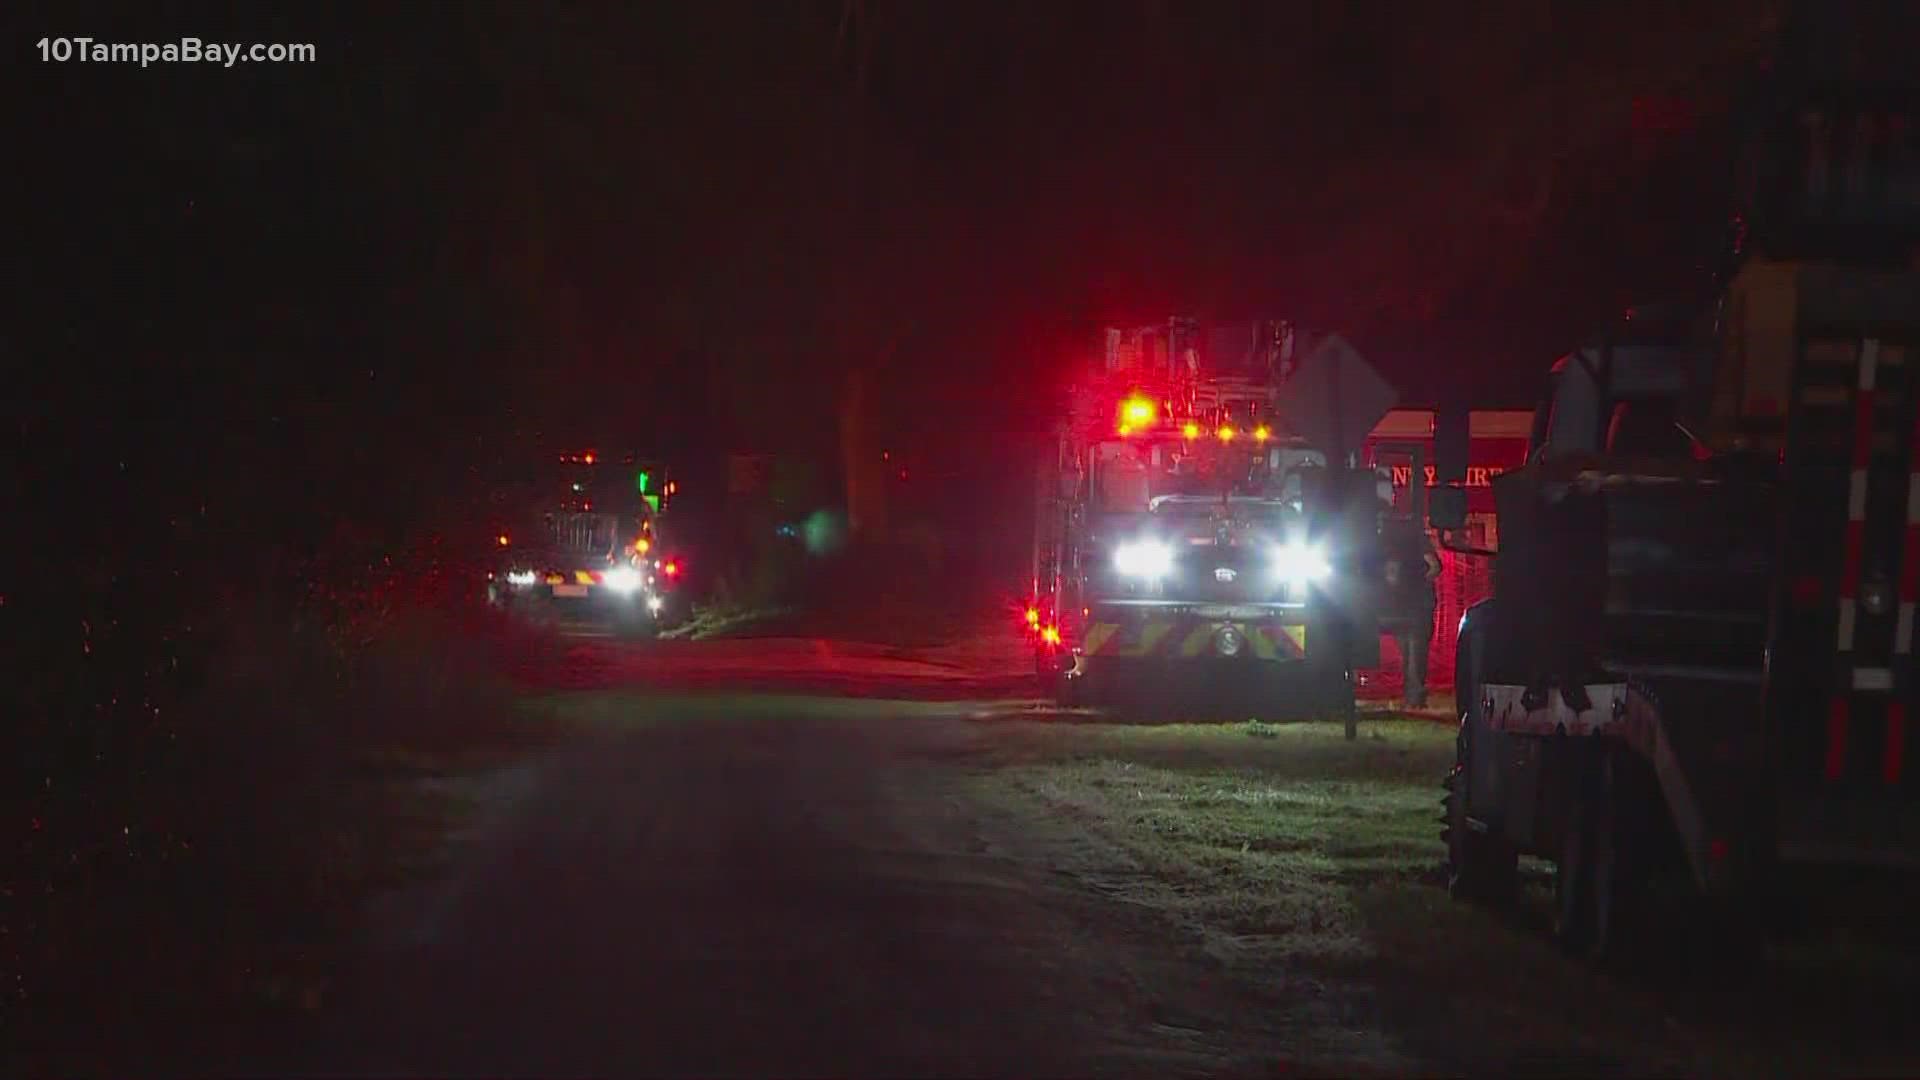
1412	567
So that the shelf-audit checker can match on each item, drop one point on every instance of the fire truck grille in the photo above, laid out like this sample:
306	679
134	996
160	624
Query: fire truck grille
586	534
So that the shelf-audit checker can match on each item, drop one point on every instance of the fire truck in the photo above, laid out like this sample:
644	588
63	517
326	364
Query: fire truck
587	537
1186	542
1698	656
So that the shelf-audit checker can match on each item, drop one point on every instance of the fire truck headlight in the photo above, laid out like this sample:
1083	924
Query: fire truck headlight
1144	559
622	580
1300	563
520	578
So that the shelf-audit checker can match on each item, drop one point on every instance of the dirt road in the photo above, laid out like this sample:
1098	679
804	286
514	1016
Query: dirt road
817	857
765	885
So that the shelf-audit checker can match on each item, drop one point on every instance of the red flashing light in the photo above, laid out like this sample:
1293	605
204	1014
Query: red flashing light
1226	433
672	569
1191	430
589	459
1261	434
502	538
1033	616
641	545
1050	635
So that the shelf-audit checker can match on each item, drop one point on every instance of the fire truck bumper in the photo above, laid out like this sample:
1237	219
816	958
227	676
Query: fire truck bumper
582	591
1169	656
1276	634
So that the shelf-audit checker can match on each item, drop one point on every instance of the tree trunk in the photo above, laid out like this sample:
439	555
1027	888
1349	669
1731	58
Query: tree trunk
866	479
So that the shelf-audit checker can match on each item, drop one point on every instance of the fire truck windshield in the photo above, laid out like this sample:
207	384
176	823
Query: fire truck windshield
1251	510
1132	479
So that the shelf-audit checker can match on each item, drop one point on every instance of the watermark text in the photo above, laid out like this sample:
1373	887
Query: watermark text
186	50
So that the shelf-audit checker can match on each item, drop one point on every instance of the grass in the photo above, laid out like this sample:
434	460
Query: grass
1258	834
1290	852
720	620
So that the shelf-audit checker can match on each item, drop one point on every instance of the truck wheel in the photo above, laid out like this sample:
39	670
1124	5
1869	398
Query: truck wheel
1481	868
1481	865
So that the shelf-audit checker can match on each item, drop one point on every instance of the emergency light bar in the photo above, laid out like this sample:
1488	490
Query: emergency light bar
1139	412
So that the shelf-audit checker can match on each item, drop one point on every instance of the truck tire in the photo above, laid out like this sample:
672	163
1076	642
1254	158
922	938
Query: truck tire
1481	865
1599	878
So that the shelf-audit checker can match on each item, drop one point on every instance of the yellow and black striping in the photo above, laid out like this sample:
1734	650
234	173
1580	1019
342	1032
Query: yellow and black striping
1182	638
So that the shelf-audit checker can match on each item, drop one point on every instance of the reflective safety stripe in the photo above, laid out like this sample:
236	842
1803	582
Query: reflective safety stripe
1263	647
1909	552
1872	678
1290	640
1097	637
1188	638
1197	641
1150	637
1857	497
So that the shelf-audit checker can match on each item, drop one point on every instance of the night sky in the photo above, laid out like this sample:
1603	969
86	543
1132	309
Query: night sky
469	229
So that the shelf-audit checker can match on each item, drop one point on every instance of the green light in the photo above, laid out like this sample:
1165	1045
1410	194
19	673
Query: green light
653	501
642	481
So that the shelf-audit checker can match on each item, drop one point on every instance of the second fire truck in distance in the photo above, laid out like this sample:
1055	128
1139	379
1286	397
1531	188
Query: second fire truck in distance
586	540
